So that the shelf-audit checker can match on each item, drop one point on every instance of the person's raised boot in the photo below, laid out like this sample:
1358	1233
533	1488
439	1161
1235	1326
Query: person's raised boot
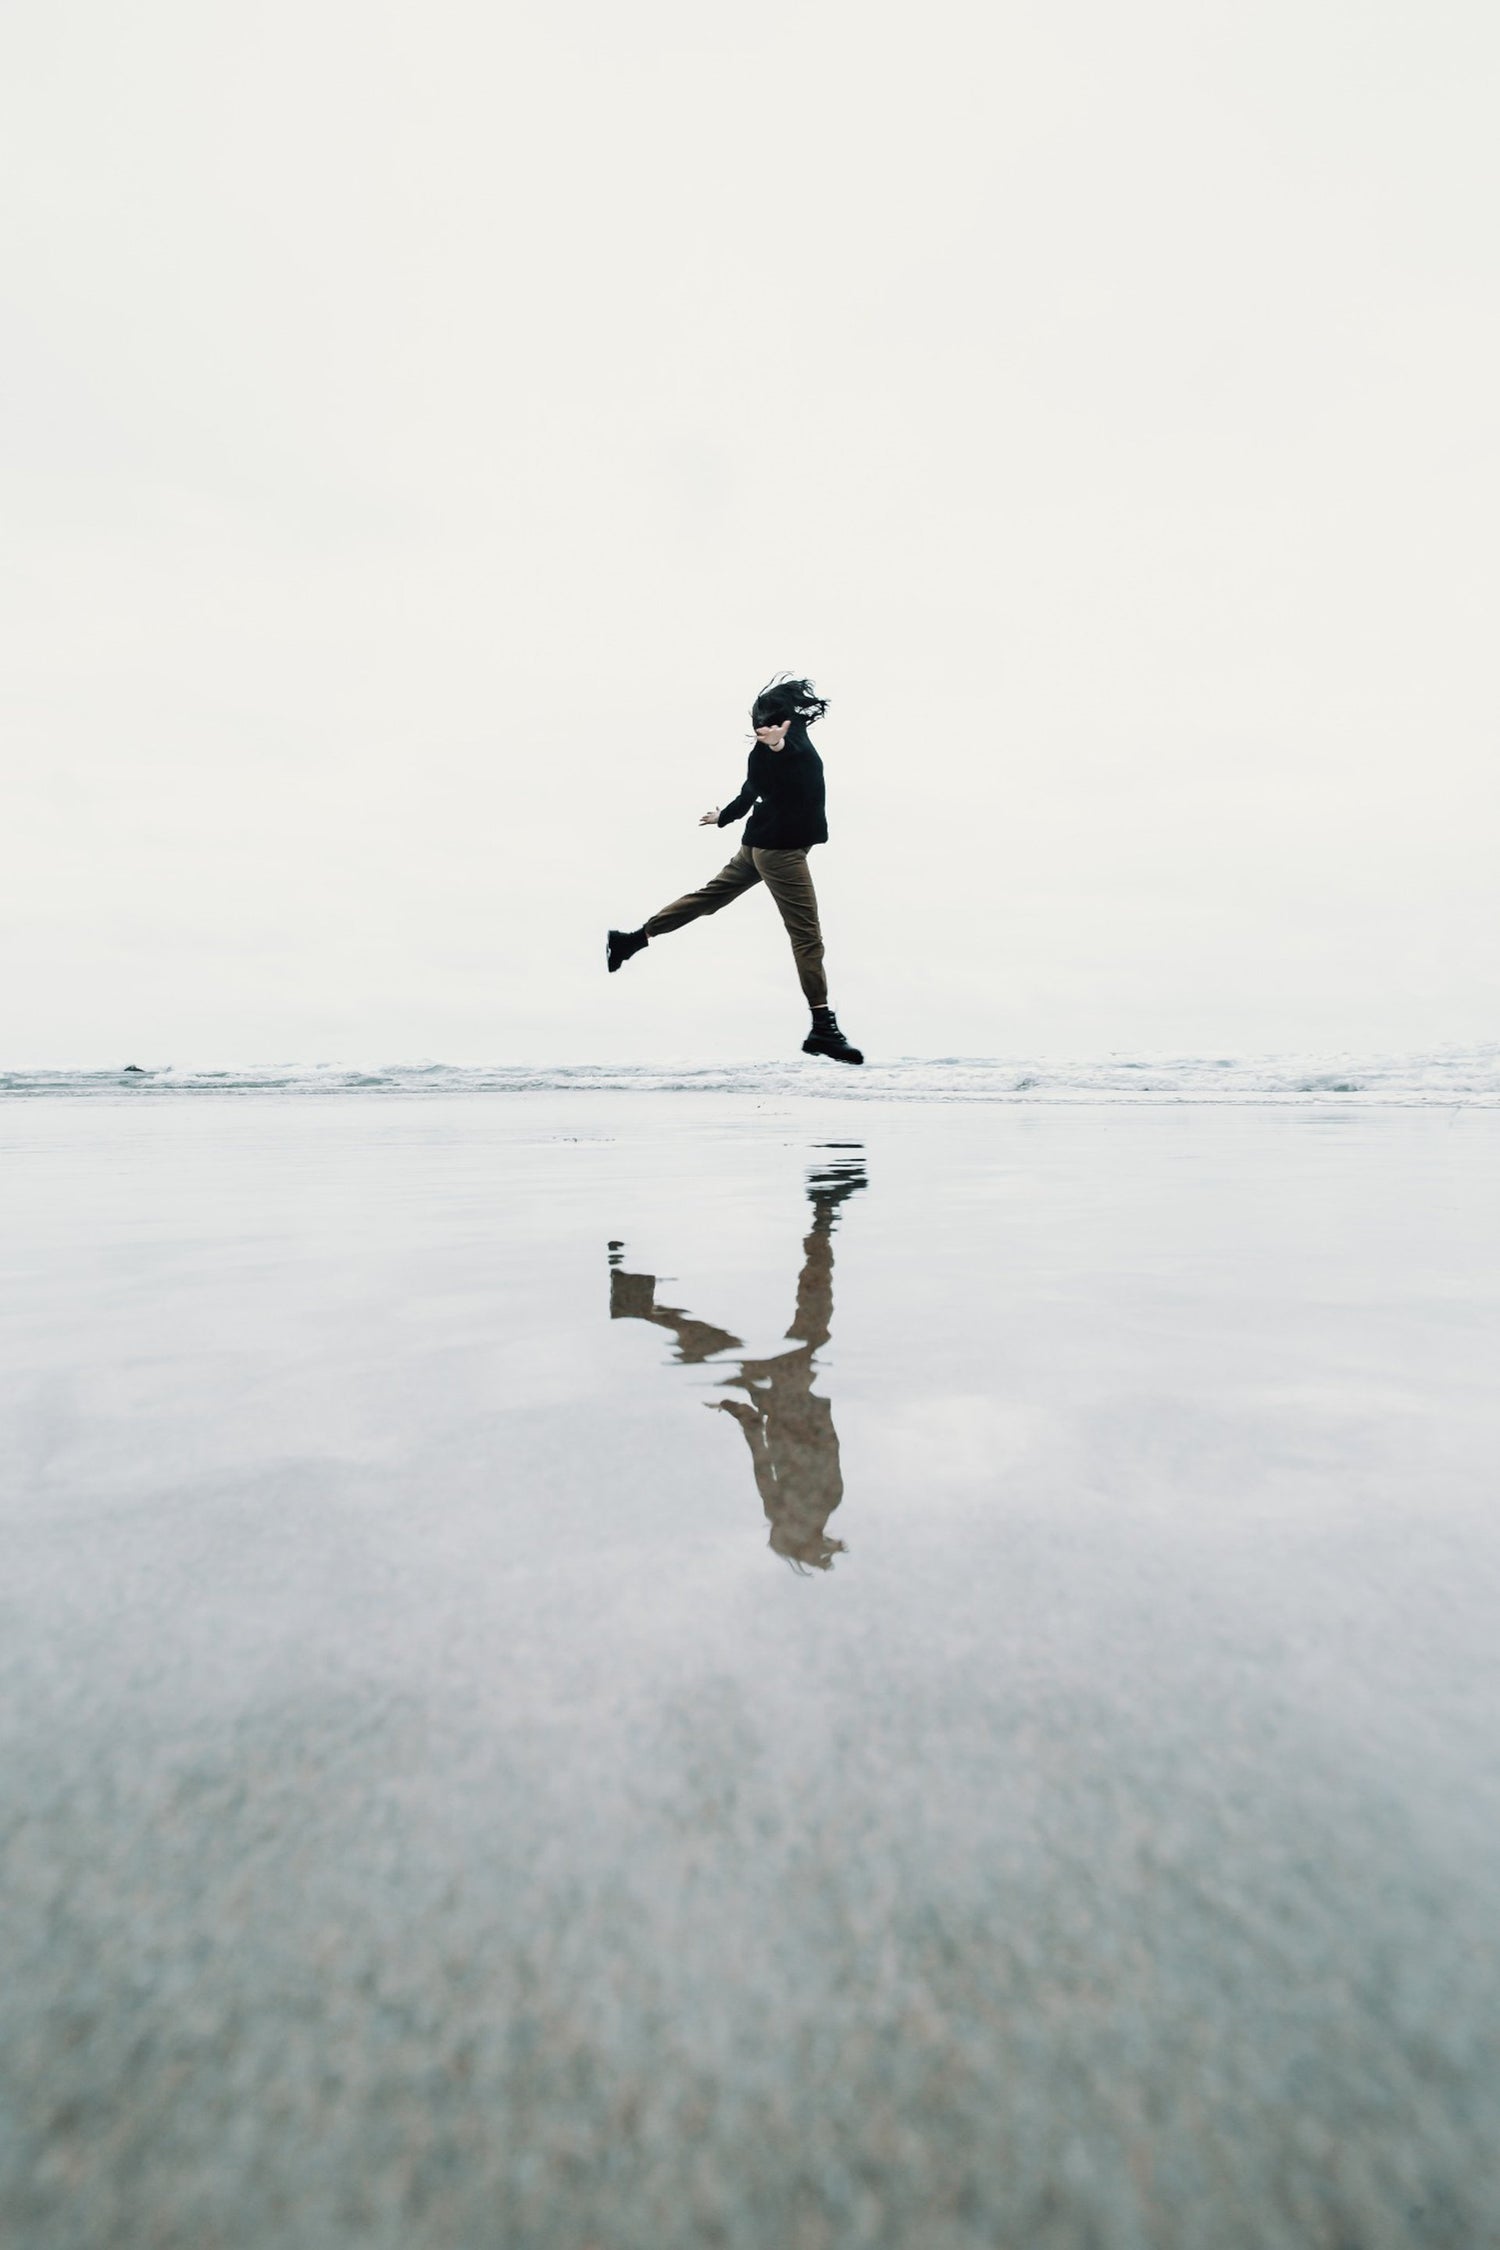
622	943
825	1038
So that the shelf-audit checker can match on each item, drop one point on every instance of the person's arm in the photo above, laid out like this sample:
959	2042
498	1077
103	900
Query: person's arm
738	808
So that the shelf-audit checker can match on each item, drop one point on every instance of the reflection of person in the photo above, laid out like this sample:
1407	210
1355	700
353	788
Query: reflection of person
783	793
794	1447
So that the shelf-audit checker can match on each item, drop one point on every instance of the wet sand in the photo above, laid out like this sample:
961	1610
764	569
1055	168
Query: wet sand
657	1672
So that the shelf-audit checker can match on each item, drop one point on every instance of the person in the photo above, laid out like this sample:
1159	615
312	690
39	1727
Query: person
783	793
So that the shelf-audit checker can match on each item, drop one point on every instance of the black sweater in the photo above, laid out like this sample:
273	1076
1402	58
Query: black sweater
786	788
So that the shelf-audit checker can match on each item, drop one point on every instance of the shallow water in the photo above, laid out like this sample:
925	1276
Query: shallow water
651	1671
1441	1077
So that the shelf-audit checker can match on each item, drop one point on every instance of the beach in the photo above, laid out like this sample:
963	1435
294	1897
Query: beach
648	1669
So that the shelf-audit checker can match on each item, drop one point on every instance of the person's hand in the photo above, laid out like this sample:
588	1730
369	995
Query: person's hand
710	818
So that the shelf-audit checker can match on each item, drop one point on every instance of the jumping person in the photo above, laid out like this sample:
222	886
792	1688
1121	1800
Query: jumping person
784	783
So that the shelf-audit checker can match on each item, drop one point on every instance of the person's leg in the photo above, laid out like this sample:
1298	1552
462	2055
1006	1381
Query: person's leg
788	878
739	875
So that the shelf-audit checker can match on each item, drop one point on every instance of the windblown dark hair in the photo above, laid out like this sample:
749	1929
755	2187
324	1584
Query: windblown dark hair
786	698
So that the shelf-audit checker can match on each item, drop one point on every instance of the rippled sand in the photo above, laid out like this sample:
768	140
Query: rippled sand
608	1669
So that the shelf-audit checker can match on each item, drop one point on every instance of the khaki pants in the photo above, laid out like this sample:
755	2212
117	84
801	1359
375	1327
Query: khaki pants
786	877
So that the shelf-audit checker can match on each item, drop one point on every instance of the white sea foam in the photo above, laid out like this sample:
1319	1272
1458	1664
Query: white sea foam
1467	1077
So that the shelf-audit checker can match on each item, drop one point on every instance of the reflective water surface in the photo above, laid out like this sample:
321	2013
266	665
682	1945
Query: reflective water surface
448	1801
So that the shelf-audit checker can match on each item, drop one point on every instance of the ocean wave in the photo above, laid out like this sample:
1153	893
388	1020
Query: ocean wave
1450	1077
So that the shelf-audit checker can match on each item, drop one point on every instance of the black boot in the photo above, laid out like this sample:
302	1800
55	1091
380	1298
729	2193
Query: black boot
622	943
825	1038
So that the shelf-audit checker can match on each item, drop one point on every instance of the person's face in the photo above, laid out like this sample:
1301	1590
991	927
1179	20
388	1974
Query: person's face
773	737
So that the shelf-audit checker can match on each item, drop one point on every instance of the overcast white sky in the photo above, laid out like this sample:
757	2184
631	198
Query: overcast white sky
429	422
